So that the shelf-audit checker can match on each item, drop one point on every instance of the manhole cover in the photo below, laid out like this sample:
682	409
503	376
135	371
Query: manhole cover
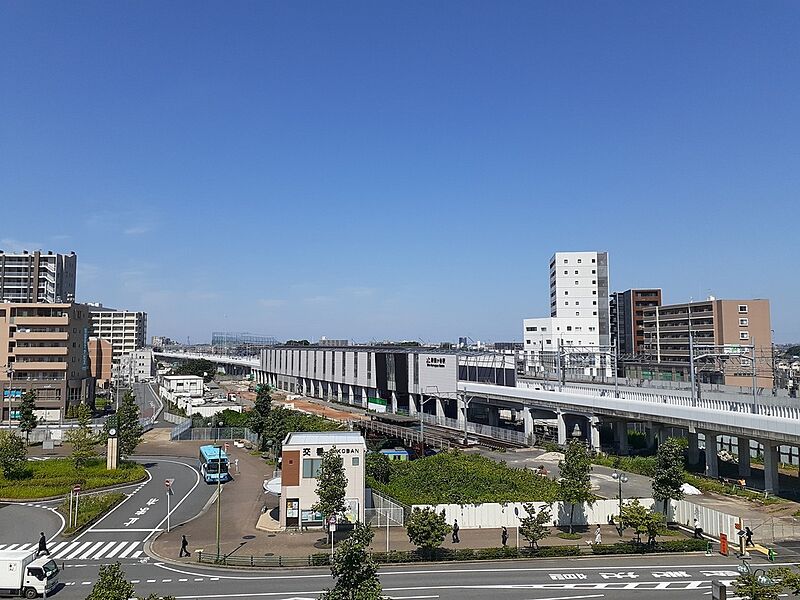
248	537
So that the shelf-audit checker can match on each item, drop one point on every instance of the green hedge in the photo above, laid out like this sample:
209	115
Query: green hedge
459	478
43	479
685	545
461	554
90	508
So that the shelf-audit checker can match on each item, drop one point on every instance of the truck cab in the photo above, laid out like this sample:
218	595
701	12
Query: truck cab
22	574
41	575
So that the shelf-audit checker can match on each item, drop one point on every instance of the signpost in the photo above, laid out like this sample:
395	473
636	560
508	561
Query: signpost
76	490
332	529
168	485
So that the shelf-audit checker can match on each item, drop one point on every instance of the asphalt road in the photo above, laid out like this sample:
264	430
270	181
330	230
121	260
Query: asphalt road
676	577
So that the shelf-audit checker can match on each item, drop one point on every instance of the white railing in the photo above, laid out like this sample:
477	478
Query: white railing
498	433
771	407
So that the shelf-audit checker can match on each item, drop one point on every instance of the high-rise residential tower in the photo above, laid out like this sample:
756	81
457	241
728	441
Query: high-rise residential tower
37	277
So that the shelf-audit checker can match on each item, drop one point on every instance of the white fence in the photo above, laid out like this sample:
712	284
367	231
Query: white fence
494	515
171	418
497	433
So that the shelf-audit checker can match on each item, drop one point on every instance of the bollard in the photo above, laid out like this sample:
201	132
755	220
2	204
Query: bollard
709	549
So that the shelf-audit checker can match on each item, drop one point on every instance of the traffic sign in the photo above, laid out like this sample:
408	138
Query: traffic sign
332	520
76	488
168	484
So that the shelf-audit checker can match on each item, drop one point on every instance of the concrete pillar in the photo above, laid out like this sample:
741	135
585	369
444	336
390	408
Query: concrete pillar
744	457
771	461
527	419
694	449
562	429
394	403
653	434
440	408
494	416
461	414
594	432
412	404
712	464
621	436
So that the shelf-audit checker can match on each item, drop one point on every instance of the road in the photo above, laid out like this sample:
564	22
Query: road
676	577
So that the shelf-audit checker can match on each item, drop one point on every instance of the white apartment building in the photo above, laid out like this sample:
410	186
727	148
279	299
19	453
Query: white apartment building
38	277
137	366
182	390
577	332
125	330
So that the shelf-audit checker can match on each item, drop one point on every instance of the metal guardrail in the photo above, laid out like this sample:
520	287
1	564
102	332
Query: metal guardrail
262	561
497	433
411	436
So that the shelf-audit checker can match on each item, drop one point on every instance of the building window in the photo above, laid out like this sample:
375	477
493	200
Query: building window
549	341
744	322
530	329
594	312
743	308
527	341
594	282
566	272
566	303
577	302
565	261
576	272
355	461
593	261
594	272
744	335
569	327
591	328
594	302
579	261
311	467
566	292
594	292
544	328
576	283
577	313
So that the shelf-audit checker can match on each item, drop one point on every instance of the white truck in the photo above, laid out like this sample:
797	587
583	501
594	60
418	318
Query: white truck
24	575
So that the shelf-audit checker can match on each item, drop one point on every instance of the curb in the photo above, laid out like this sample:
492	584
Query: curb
109	488
91	521
148	547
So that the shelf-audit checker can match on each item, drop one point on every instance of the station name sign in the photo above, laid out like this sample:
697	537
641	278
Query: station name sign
321	451
435	361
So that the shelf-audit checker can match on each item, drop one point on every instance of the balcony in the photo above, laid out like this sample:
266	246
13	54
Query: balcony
40	351
40	366
55	336
40	321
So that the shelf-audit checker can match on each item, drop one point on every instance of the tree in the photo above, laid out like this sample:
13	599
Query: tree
27	420
770	586
535	526
111	584
575	487
669	476
129	429
12	454
378	467
81	438
641	520
259	416
331	485
201	367
427	529
354	568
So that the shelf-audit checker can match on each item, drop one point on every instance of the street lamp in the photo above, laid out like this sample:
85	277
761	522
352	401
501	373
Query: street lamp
620	478
219	491
760	577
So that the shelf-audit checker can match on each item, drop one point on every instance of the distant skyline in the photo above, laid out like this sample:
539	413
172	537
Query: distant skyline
400	171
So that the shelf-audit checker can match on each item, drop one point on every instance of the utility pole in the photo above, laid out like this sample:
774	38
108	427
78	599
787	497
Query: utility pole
691	366
753	354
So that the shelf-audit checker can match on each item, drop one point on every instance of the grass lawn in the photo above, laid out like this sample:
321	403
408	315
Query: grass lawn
90	508
55	477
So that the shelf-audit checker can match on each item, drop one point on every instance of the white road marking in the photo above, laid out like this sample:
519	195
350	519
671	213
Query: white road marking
75	552
571	597
181	501
128	550
106	548
109	513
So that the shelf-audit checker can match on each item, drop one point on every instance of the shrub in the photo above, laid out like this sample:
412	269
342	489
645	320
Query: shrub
684	545
455	477
90	508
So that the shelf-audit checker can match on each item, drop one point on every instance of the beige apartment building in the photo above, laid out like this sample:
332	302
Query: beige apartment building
724	333
45	348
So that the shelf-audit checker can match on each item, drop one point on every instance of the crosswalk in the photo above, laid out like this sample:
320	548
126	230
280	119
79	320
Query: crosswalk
104	550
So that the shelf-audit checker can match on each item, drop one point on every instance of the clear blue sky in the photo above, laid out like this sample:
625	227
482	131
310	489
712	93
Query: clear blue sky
374	170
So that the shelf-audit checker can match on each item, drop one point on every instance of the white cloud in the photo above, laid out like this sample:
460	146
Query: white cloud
271	302
137	230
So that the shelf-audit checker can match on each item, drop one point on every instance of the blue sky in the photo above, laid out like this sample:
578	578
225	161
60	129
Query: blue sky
373	170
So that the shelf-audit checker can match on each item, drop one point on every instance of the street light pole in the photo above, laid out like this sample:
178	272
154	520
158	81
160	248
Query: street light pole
219	492
621	478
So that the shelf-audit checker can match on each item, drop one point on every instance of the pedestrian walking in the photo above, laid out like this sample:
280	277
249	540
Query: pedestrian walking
42	545
184	547
748	537
455	532
698	530
598	535
504	535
